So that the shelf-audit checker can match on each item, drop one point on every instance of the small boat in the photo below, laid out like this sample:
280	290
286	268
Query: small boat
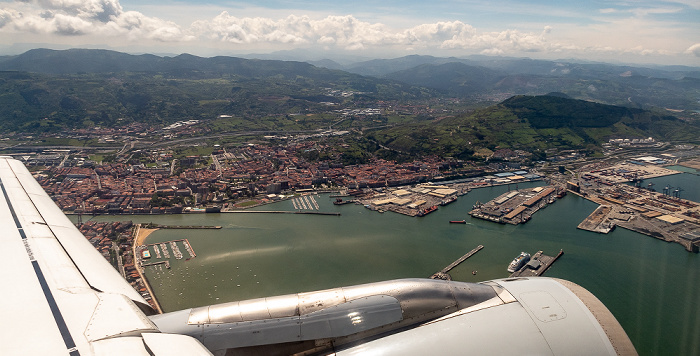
519	262
458	221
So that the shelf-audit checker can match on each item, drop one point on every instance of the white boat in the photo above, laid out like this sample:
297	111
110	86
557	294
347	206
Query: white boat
519	262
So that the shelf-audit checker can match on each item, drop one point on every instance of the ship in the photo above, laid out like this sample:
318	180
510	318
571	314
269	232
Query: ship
340	201
519	262
448	201
427	210
458	221
212	209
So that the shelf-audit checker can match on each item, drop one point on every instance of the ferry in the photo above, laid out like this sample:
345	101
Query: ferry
519	262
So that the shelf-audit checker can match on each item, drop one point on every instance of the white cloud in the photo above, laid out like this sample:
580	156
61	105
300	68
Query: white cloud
85	17
632	31
348	32
694	50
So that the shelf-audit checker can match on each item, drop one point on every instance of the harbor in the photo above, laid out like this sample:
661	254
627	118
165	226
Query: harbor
639	207
324	248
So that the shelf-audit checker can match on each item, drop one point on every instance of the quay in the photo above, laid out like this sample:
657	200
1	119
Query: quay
444	273
598	220
538	265
157	226
517	206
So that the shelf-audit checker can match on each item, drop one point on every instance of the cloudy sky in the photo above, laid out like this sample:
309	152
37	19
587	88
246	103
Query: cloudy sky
636	31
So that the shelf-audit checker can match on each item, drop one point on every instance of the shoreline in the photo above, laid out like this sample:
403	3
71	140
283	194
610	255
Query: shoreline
141	235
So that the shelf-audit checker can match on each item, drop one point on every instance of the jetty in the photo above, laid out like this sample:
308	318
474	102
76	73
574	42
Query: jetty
538	265
444	273
166	263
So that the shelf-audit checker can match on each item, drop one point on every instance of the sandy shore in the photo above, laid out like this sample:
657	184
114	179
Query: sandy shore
142	234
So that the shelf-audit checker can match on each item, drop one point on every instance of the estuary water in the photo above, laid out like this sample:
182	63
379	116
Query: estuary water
649	285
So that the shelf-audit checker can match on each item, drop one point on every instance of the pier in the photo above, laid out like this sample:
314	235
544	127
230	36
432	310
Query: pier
166	263
538	265
444	273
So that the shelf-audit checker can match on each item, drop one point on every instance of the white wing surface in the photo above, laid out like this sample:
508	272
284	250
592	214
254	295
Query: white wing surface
60	296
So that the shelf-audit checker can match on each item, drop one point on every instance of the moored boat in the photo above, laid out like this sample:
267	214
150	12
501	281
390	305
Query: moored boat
519	262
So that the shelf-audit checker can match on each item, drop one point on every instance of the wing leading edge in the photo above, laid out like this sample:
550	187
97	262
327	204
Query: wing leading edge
62	297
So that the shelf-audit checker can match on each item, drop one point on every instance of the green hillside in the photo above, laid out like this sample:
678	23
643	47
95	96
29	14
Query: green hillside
43	90
533	124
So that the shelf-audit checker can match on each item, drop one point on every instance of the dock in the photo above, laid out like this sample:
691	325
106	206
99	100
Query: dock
598	221
538	265
517	206
166	263
158	226
444	273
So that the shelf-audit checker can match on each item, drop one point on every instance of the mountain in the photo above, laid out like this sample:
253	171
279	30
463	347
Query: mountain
498	78
534	124
453	78
46	90
77	61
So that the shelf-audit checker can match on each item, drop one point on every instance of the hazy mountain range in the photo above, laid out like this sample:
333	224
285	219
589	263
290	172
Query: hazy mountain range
474	78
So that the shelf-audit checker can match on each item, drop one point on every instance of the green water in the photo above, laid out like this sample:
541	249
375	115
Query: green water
649	285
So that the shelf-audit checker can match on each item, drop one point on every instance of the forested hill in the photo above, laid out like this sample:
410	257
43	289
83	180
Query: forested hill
533	123
85	61
46	90
550	111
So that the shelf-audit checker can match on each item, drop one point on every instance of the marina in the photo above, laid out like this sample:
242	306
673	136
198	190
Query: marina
305	202
143	252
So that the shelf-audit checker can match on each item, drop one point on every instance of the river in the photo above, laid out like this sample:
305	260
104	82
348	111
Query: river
649	285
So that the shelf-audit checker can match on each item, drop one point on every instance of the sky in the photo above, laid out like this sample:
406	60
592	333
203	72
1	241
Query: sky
629	31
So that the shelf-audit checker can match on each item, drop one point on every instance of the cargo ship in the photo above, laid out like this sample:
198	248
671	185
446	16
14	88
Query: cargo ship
448	201
427	210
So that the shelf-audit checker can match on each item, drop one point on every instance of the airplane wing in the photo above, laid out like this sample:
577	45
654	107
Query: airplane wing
60	296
